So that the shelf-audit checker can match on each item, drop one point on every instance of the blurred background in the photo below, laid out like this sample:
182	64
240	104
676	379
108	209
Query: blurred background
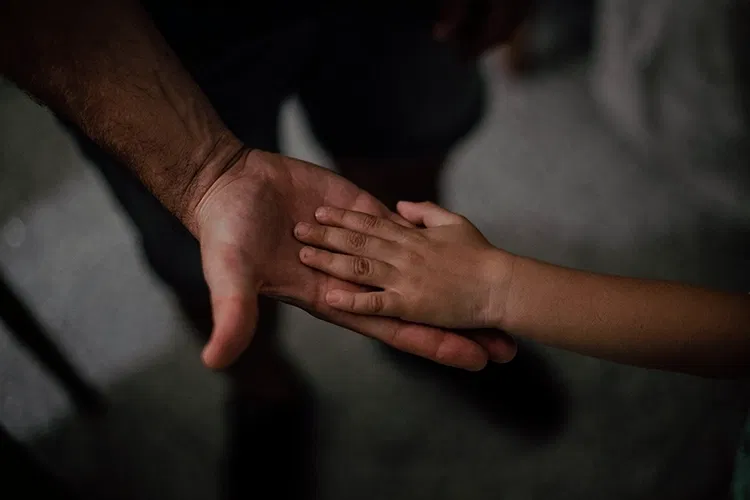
620	144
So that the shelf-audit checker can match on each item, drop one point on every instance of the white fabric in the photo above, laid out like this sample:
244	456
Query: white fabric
672	75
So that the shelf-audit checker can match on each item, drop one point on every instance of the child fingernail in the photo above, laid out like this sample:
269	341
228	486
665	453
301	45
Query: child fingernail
306	253
321	212
302	229
333	297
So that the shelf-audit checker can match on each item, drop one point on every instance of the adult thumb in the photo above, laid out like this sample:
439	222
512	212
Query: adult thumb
234	304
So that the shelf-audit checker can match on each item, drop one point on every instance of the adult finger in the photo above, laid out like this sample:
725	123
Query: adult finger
432	343
438	345
368	303
500	346
234	302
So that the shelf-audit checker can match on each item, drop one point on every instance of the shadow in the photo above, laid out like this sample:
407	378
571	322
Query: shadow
26	329
22	471
272	449
526	394
172	431
270	445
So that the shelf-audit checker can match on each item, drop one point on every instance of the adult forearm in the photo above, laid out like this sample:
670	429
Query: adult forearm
105	67
646	323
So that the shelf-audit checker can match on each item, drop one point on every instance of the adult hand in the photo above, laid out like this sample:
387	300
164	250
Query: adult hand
244	222
479	25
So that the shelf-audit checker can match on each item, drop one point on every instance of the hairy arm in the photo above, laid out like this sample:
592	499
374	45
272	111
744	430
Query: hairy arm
104	66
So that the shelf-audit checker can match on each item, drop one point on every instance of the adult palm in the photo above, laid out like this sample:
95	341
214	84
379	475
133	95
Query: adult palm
245	223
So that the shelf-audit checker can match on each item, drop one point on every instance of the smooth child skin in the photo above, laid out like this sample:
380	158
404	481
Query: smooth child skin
444	272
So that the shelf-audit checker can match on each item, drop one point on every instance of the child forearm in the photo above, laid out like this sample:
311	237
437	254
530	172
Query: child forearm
646	323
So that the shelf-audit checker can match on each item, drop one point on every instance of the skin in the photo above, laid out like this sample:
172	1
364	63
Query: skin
106	68
444	272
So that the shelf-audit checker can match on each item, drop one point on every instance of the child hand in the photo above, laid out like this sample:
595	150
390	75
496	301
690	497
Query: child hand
445	274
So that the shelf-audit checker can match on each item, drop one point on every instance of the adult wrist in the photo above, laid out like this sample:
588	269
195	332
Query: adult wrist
207	165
